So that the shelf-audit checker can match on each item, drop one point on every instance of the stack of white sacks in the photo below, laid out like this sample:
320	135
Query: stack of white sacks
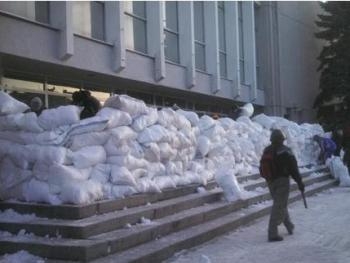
128	148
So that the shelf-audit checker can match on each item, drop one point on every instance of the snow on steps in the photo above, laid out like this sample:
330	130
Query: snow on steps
178	223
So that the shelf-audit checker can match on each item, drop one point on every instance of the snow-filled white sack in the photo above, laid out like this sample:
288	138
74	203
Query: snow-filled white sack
116	148
41	171
205	122
89	139
339	171
32	153
9	105
62	175
227	181
146	185
128	104
190	115
152	152
81	192
120	175
88	156
146	120
164	182
154	133
123	134
37	191
10	177
203	145
20	121
115	117
121	191
101	173
56	117
247	110
128	161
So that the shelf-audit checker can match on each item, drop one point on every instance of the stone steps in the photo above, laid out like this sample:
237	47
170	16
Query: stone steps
102	235
97	224
68	211
162	248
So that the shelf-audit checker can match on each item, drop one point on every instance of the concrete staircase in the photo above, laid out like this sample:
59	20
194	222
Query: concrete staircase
121	230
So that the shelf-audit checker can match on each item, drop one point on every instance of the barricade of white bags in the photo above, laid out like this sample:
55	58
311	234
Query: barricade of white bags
129	148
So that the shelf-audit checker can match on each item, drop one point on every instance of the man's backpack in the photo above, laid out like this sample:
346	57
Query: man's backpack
267	167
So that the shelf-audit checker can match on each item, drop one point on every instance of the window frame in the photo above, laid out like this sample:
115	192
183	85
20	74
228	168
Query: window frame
172	32
144	21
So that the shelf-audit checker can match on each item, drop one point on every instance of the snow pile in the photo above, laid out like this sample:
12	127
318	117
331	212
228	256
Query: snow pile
21	257
129	148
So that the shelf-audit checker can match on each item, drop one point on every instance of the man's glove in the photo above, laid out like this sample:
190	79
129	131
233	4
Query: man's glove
301	187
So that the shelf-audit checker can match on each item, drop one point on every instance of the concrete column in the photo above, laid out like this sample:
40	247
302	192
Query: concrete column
212	44
115	33
155	36
270	67
186	36
249	47
232	44
61	17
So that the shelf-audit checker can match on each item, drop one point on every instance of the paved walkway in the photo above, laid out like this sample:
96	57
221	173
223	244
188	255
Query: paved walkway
322	235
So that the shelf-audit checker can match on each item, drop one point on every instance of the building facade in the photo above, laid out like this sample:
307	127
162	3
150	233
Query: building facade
203	56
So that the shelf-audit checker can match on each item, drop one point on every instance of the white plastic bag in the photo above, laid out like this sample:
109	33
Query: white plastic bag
340	171
226	179
89	156
9	105
128	104
63	115
115	117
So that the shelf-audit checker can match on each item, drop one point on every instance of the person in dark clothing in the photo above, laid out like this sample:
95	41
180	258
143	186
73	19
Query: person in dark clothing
285	165
346	145
337	137
84	99
36	105
327	148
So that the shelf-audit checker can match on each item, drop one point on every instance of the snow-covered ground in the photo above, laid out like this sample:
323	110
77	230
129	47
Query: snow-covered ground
321	236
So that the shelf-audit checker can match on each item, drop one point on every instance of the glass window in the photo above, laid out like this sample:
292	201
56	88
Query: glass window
38	11
89	18
171	32
42	12
223	66
199	21
97	20
171	15
139	8
199	36
221	19
200	56
258	40
222	39
241	42
171	46
135	26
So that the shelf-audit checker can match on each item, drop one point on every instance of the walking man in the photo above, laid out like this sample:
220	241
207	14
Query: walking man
284	165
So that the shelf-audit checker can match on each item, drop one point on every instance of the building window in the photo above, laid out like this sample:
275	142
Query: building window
199	37
258	39
222	39
171	32
241	42
135	25
38	10
89	19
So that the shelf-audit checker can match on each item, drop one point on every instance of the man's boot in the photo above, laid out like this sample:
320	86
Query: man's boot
275	238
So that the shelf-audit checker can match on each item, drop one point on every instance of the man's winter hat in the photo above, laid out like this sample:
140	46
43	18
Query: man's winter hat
277	136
